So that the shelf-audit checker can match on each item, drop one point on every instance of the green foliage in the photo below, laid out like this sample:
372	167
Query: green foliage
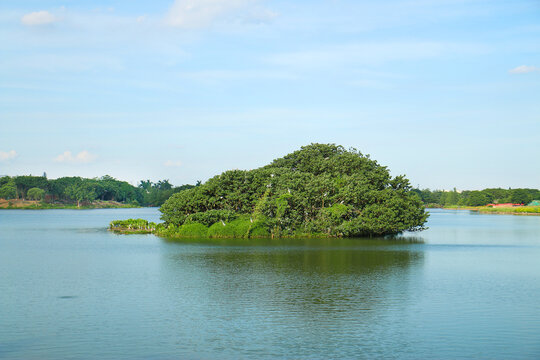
477	198
4	180
521	196
35	194
321	188
220	230
259	229
155	194
67	190
80	193
132	226
26	182
238	228
8	190
212	216
193	230
439	198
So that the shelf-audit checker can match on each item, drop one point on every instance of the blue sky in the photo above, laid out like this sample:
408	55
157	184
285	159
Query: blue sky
446	92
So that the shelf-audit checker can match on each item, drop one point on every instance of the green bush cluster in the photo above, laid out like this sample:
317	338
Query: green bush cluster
132	225
211	216
321	189
239	228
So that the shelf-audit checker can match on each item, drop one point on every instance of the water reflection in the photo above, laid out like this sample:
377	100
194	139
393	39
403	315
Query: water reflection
307	278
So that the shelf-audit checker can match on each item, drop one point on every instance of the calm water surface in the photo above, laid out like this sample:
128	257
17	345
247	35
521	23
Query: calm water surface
469	287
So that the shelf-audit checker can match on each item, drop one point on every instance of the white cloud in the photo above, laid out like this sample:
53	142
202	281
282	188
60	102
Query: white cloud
523	69
196	14
5	156
83	157
170	163
39	18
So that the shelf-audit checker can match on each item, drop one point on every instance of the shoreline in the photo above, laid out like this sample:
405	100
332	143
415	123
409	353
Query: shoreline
520	210
219	230
37	205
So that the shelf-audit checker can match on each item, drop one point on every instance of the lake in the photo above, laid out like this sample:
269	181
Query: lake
469	287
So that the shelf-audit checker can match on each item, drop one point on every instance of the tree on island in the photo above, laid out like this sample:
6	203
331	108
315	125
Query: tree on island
321	189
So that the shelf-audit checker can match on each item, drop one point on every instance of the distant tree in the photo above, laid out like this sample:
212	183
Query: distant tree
80	193
35	194
452	198
163	185
4	180
520	196
8	190
477	198
58	186
498	195
145	185
26	182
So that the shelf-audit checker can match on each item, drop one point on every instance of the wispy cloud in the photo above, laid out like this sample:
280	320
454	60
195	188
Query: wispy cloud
170	163
7	155
83	157
38	18
196	14
523	69
372	53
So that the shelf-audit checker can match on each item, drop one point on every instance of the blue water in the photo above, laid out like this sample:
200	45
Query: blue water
469	287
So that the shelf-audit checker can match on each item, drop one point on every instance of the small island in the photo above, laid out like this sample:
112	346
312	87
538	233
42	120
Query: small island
321	190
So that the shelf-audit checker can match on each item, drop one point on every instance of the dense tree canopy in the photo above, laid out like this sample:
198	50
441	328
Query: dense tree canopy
155	194
79	190
8	189
320	189
477	197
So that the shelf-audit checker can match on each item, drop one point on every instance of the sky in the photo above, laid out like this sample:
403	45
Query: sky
446	92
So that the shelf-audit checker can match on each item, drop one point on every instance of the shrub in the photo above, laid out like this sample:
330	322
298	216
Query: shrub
259	229
211	217
238	228
193	230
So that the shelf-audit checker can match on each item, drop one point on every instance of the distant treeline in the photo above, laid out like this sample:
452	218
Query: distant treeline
477	197
79	190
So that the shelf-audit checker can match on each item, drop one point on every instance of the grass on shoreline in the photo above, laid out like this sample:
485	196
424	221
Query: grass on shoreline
518	210
39	205
510	210
236	229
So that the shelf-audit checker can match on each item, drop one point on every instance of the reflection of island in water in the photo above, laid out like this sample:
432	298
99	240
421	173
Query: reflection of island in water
311	296
316	274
